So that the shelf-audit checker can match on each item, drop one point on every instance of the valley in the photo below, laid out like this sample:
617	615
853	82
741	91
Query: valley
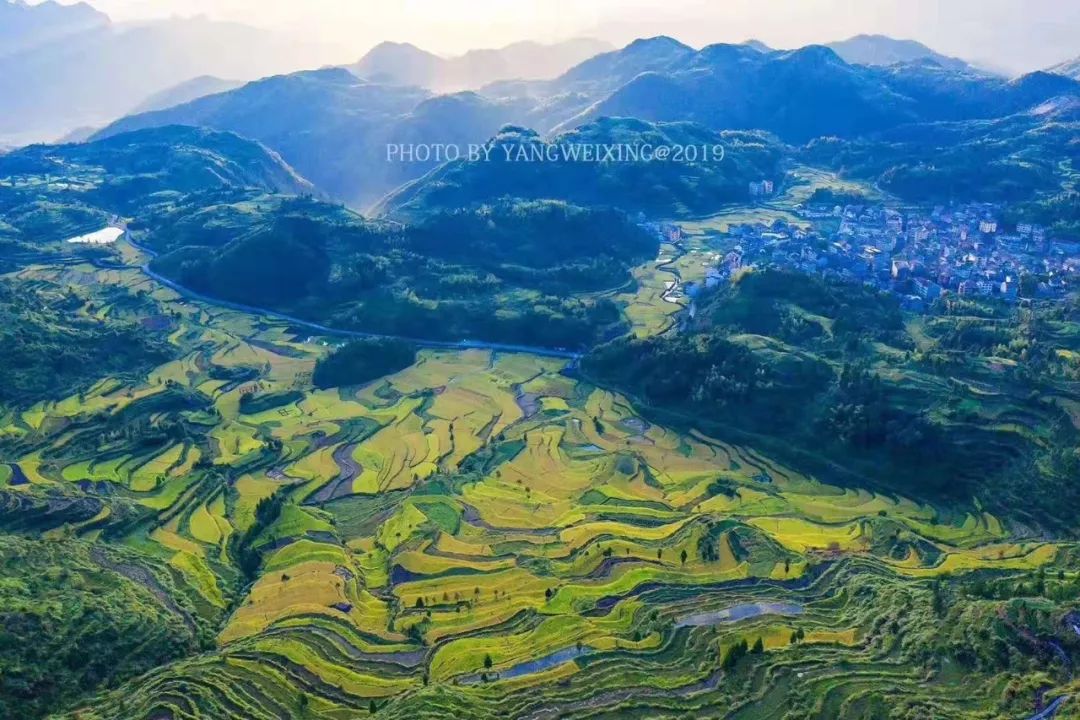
488	529
297	426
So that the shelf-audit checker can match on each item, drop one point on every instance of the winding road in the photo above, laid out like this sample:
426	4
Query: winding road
1051	709
325	330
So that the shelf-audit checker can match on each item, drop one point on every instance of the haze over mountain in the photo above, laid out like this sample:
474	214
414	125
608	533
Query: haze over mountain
719	380
884	50
405	64
24	26
335	128
803	93
185	92
1069	68
1017	36
67	66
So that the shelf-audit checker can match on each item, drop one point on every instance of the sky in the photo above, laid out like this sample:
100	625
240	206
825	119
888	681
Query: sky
1012	35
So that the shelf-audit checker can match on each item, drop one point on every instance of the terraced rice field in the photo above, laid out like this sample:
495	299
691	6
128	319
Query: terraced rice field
488	535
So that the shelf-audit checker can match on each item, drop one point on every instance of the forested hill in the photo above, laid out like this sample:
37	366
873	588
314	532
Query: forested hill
660	187
823	369
438	279
51	192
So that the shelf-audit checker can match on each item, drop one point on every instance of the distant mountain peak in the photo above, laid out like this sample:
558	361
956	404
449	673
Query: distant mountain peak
869	49
721	52
24	26
665	41
815	54
755	44
1069	68
389	47
405	64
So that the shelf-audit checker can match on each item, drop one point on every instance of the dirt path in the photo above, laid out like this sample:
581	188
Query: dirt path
342	485
144	577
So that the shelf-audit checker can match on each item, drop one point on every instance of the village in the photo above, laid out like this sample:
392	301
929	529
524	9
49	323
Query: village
919	254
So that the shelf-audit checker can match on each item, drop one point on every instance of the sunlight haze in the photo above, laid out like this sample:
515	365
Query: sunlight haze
1012	36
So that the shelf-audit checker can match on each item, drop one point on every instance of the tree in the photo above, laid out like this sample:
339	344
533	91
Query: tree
937	601
487	662
733	655
759	647
683	556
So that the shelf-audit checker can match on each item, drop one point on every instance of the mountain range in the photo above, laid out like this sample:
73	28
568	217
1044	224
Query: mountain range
406	64
24	26
67	66
812	91
334	127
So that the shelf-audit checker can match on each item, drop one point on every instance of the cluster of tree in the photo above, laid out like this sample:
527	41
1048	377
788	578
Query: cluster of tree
72	627
255	403
738	651
47	350
362	361
1013	159
829	369
439	279
832	197
1060	214
243	547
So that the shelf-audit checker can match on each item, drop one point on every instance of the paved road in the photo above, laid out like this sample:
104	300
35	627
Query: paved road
1051	709
316	328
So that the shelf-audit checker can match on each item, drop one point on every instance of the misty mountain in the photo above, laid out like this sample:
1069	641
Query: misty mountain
884	50
812	92
185	92
96	75
758	45
24	26
612	69
405	64
797	95
556	102
334	128
1069	68
395	63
